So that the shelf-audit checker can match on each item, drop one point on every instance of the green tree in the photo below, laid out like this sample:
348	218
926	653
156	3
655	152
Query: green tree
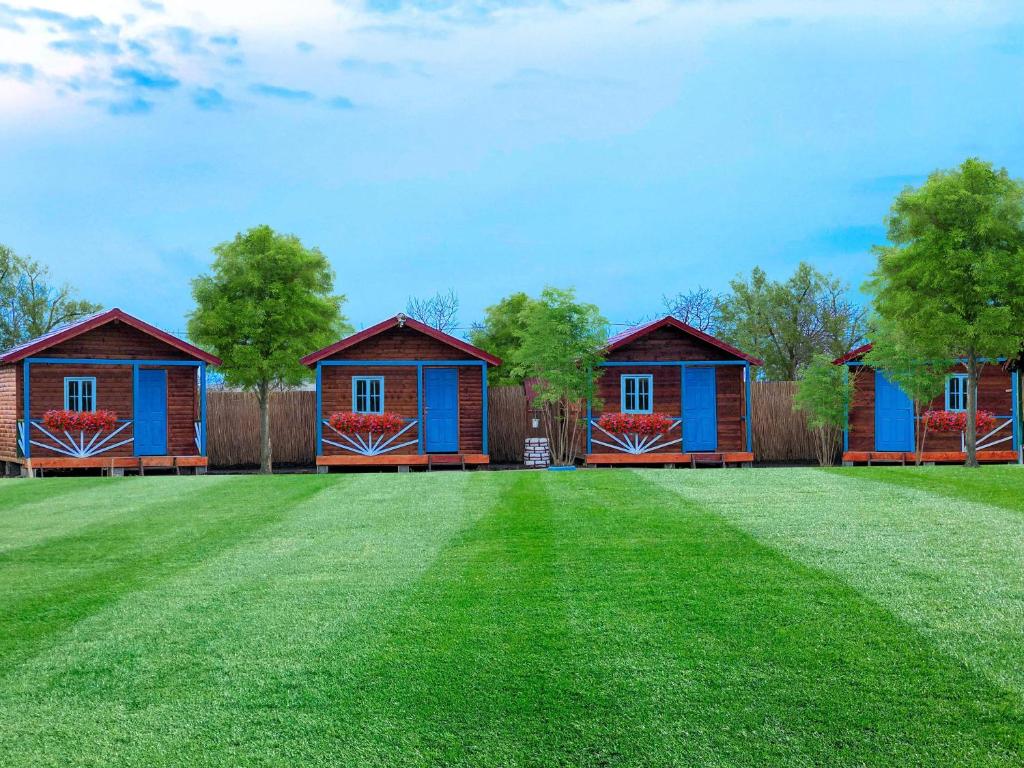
562	343
501	334
787	323
823	393
31	304
952	278
268	301
918	371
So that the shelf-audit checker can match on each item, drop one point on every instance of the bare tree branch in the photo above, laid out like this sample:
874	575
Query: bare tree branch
438	311
697	307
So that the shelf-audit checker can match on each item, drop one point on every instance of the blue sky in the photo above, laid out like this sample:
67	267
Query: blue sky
629	149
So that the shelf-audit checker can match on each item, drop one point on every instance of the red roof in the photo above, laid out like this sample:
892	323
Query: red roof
394	322
853	354
632	334
87	323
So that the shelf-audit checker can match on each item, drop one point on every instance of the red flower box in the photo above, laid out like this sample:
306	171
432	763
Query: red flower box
361	423
80	421
643	424
956	421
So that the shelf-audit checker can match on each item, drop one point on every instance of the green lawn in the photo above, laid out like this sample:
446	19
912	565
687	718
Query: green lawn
788	617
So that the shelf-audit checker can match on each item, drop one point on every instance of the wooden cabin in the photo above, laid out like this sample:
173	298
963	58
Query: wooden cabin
881	426
435	384
148	385
700	384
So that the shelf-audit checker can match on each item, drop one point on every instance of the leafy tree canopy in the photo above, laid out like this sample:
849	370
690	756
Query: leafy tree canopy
787	323
31	304
823	393
501	334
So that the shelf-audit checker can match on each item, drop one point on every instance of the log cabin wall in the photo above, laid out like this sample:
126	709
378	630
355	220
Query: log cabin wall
732	407
115	340
401	344
336	396
994	394
668	344
666	396
10	376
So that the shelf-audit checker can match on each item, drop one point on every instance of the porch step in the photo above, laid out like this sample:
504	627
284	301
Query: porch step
446	460
715	459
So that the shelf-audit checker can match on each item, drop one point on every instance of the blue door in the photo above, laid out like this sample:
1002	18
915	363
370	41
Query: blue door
894	417
700	414
441	409
151	413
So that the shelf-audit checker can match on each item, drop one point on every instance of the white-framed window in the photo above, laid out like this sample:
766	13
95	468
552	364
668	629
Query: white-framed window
79	393
637	393
956	392
368	394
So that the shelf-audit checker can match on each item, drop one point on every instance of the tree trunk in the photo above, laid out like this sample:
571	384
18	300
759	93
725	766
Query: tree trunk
266	457
550	429
971	433
918	439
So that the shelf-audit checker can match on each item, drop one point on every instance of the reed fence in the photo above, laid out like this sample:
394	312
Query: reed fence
233	428
780	433
508	420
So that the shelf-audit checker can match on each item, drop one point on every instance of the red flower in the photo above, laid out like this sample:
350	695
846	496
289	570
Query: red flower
956	421
79	421
643	424
374	423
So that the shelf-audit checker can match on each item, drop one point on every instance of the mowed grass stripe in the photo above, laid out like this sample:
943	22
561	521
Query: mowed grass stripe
994	485
163	526
241	659
31	512
729	652
952	568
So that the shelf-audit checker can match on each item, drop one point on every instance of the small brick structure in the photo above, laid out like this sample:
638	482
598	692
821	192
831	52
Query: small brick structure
536	454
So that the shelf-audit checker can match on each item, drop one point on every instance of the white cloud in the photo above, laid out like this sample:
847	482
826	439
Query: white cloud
231	44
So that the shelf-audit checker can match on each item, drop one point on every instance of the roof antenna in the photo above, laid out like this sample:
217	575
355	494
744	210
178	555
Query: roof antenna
401	317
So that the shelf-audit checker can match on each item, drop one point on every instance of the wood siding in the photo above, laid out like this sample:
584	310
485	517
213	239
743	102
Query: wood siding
401	344
666	344
399	397
116	340
994	394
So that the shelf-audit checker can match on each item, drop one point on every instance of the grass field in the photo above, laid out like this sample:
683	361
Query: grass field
791	617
